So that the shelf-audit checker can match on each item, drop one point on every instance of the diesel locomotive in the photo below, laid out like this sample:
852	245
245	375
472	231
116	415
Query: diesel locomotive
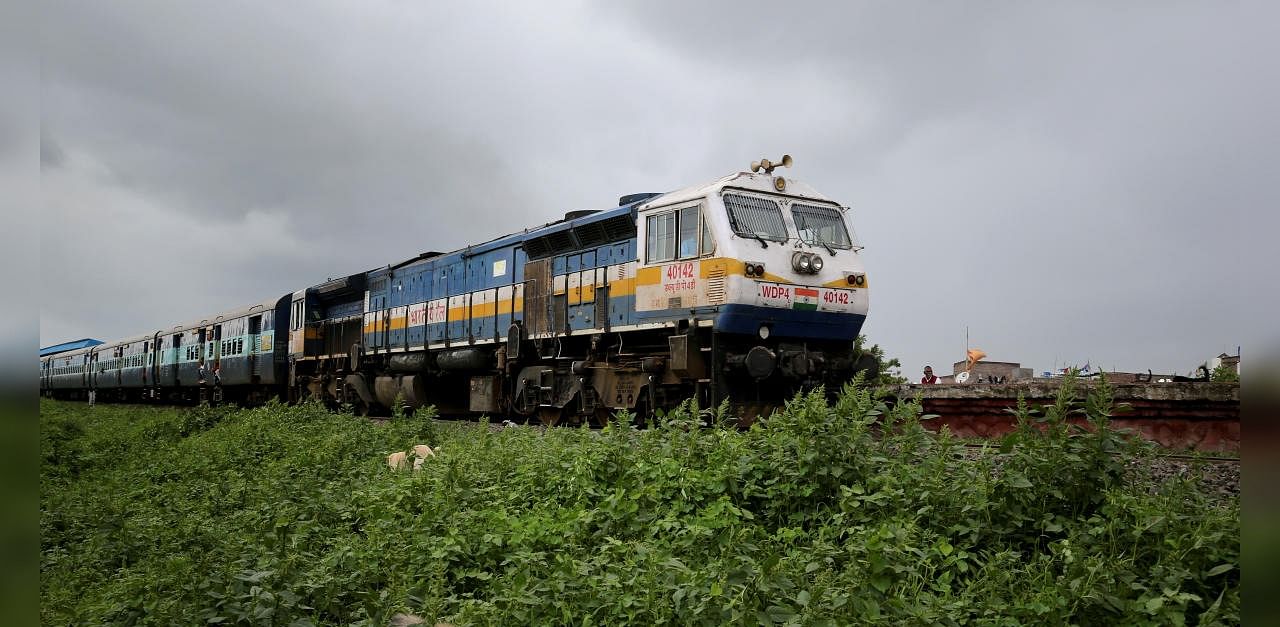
745	289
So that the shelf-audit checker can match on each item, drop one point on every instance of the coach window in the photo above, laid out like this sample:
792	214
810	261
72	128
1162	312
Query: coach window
689	223
661	233
679	234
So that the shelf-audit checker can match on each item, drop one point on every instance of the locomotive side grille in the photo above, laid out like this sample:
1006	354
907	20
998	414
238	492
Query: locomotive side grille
562	240
715	285
537	248
590	234
605	231
602	307
550	244
614	229
559	312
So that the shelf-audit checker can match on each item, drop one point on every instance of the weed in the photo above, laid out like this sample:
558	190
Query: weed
824	513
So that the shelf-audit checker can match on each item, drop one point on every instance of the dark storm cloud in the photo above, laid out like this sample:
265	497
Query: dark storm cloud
1071	182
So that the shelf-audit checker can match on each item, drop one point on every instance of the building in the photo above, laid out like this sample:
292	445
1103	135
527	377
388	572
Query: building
990	372
68	346
1230	362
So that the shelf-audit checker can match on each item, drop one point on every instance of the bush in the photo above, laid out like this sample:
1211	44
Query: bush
822	514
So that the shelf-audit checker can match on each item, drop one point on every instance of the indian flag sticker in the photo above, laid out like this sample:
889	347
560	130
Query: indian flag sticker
806	299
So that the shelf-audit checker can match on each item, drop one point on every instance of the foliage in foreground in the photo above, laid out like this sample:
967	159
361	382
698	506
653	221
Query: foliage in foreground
827	514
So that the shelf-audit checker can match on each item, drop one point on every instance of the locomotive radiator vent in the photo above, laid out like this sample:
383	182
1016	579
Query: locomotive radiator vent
715	285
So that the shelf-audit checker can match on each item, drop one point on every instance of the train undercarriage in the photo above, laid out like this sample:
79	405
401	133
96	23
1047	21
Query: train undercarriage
577	379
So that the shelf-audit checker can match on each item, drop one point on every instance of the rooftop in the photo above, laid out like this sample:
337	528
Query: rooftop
69	346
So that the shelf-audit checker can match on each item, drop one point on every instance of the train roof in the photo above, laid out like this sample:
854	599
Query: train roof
596	227
239	312
123	341
578	229
753	181
68	354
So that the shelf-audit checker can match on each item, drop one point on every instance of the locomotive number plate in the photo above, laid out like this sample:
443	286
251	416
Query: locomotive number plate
803	298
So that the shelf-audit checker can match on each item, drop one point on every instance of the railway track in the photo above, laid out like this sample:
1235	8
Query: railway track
1184	457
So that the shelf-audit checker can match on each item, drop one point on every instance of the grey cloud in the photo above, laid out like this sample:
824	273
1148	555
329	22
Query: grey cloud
1070	181
51	155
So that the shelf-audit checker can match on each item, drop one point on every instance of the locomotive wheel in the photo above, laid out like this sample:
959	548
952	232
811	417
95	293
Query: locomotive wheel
549	416
358	406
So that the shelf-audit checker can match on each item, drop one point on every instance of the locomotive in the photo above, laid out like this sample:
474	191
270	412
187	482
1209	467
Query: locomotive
746	289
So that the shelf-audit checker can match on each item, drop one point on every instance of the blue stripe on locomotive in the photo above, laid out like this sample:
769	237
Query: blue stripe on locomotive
789	323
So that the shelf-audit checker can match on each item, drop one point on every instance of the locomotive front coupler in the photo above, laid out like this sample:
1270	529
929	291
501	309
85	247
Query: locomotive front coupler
801	363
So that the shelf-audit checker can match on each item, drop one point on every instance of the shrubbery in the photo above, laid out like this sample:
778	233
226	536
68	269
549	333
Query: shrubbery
824	514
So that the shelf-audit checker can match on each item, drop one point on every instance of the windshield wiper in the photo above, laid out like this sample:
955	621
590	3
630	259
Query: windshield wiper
826	246
763	244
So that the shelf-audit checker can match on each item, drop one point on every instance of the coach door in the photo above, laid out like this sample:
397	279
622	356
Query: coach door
175	372
297	343
157	350
152	360
255	329
201	339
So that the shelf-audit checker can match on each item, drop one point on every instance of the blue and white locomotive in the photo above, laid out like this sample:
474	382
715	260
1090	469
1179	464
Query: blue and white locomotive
745	289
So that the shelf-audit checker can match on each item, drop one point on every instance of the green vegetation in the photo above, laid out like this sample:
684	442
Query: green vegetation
1224	373
826	514
890	372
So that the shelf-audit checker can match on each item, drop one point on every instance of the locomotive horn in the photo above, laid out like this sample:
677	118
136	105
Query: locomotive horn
768	166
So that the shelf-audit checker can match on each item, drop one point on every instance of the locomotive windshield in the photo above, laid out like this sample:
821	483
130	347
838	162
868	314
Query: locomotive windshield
819	225
756	217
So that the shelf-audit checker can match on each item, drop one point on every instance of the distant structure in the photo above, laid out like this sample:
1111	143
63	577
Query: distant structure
1138	377
69	346
1231	362
989	372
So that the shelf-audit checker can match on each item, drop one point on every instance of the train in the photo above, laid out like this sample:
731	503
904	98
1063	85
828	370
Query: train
745	290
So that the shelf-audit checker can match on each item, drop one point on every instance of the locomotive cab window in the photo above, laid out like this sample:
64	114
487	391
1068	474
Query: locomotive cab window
755	217
819	225
677	234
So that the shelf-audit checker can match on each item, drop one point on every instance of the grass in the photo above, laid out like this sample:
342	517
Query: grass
825	514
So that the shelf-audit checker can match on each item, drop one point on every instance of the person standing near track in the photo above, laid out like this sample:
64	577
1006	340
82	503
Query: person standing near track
928	378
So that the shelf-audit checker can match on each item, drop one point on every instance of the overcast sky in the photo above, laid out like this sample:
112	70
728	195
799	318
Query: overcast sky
1072	183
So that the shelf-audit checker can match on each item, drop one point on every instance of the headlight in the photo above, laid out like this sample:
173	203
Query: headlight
764	331
800	262
806	263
